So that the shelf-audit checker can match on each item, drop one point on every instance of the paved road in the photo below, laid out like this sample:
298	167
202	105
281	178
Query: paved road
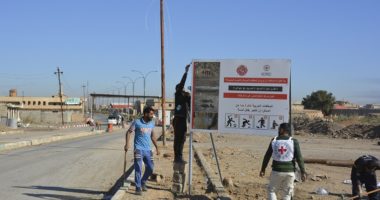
28	135
84	168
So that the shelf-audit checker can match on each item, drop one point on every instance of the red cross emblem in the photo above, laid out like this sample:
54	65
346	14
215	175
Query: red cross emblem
282	150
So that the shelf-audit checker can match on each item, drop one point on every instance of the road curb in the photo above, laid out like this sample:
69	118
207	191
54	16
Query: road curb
212	177
119	195
11	132
73	126
125	184
15	145
39	141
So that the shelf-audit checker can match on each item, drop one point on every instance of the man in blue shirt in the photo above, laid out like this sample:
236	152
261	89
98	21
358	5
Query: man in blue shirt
144	134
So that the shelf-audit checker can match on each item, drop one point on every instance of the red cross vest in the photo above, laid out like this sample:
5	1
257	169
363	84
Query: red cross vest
283	150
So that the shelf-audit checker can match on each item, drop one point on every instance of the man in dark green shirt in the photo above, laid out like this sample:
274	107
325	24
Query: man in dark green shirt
364	172
285	151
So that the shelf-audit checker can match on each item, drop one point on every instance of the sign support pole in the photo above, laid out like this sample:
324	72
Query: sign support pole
216	157
190	161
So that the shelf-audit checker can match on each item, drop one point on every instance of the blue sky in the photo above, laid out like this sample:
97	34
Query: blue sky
333	44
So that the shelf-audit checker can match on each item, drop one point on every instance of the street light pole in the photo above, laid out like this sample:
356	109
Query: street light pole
125	91
144	77
133	86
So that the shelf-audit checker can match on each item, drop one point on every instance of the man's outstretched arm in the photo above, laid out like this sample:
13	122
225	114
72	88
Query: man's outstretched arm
183	80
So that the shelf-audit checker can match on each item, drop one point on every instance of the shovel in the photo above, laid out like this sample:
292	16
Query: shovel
365	193
125	167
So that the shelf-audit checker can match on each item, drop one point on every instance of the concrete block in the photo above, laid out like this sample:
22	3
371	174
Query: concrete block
179	167
177	178
157	177
177	188
180	178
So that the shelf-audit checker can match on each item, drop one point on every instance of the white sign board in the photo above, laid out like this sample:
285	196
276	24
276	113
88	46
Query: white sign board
240	96
72	101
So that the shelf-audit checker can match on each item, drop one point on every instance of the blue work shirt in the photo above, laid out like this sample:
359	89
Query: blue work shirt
143	131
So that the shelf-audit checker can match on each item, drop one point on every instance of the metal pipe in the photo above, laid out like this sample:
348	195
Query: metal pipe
216	157
190	161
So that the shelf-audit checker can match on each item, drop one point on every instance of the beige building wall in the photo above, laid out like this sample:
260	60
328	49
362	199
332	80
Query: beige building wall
40	103
299	110
169	104
41	109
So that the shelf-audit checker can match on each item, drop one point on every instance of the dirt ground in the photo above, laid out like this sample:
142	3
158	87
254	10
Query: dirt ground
241	156
162	190
3	128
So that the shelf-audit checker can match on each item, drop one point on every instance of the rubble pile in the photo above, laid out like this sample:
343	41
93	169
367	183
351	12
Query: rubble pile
320	126
324	127
315	126
358	131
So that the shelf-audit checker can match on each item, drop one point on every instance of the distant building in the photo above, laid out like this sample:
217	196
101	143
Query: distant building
372	106
169	105
43	103
121	106
169	111
342	105
298	110
297	106
40	109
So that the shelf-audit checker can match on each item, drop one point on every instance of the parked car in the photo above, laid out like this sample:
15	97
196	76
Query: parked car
115	119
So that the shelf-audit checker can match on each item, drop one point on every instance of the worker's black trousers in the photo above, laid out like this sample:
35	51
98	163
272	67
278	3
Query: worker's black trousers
368	179
180	129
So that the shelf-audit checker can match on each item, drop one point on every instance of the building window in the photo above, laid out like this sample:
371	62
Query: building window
24	102
34	103
44	103
39	103
28	102
54	103
170	105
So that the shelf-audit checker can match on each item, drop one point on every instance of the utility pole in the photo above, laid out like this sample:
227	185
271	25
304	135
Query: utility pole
88	98
162	72
59	72
84	100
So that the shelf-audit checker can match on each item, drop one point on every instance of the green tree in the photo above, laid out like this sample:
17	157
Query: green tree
320	100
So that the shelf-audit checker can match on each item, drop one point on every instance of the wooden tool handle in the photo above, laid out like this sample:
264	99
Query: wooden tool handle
365	193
